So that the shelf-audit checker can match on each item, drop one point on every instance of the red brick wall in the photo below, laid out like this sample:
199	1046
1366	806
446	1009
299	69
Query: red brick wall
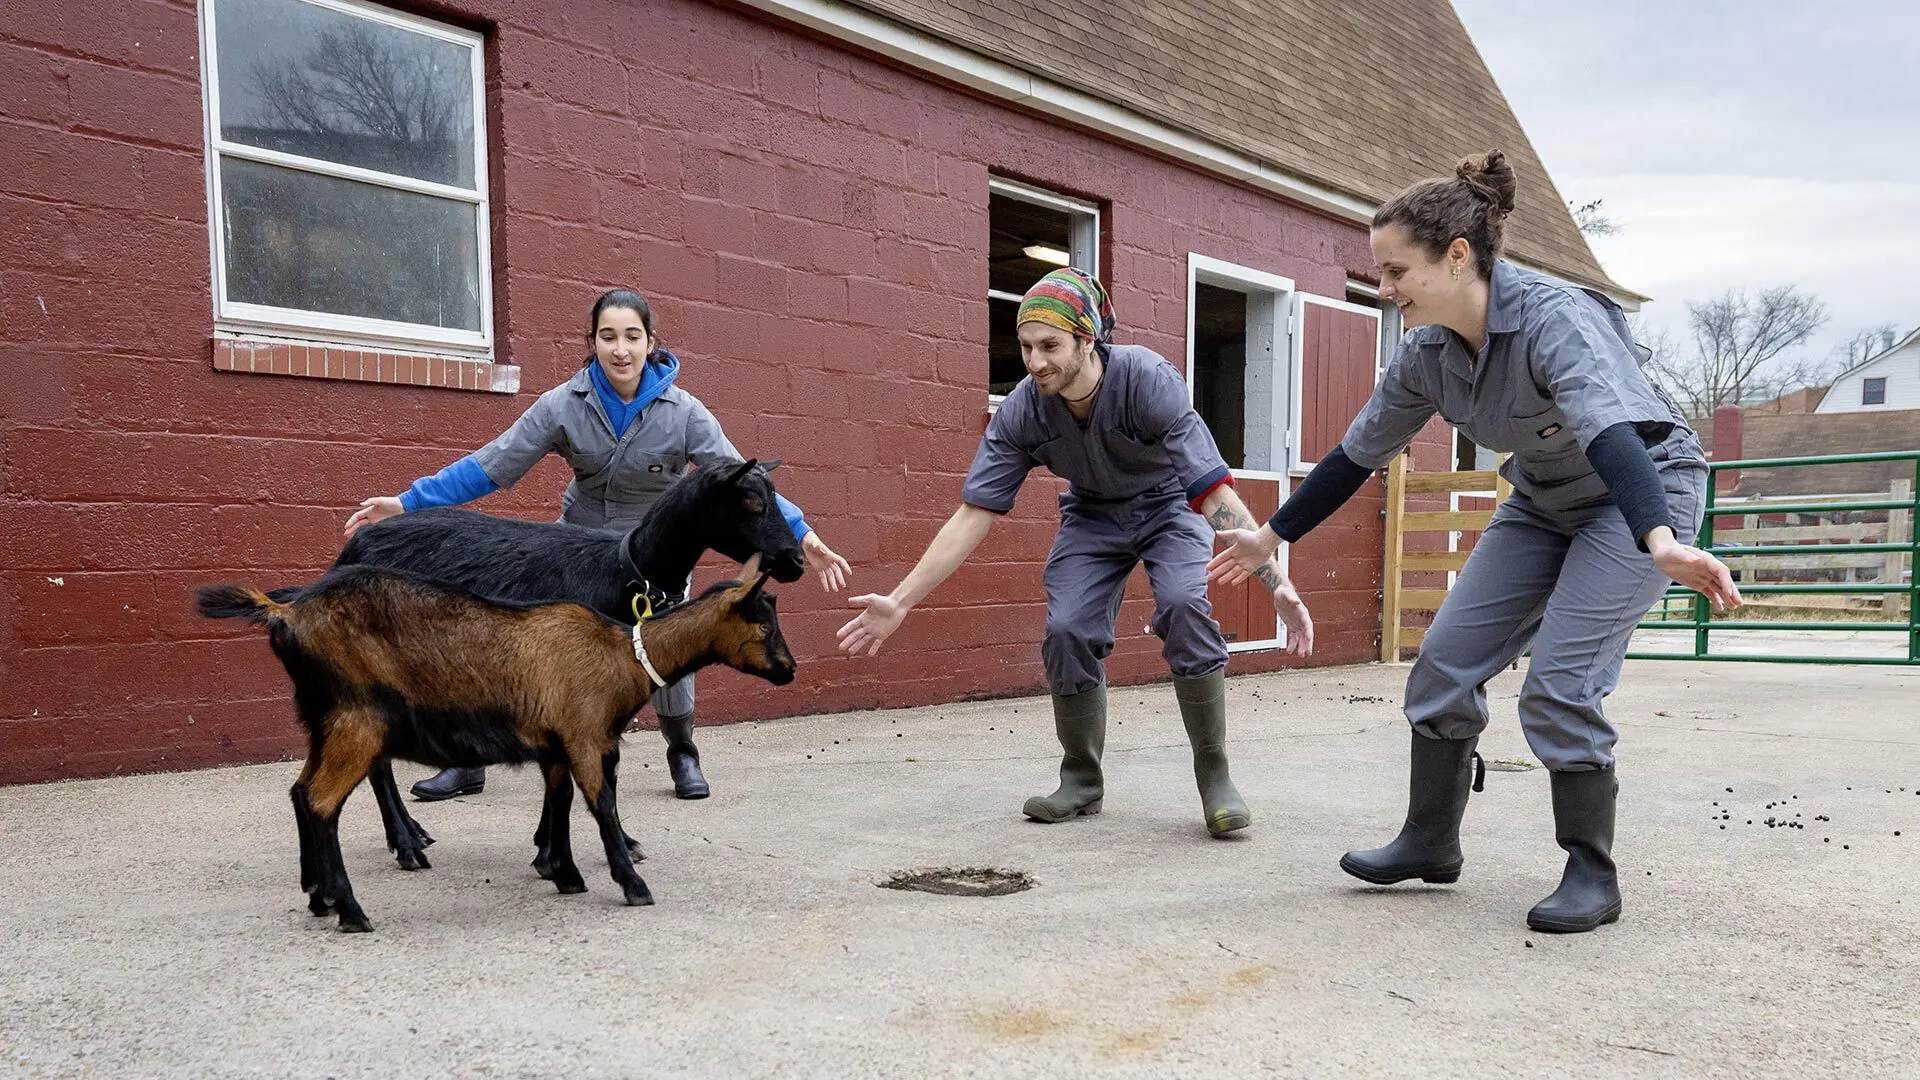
811	223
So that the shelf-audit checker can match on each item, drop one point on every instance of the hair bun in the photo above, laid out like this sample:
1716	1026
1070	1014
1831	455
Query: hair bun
1491	178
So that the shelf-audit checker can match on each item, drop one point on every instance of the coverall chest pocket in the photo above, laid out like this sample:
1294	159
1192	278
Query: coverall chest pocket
1542	434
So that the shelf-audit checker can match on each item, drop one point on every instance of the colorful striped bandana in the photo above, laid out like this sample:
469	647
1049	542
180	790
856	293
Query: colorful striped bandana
1072	300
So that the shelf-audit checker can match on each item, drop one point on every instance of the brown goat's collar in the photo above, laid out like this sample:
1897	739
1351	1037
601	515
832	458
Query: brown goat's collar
640	654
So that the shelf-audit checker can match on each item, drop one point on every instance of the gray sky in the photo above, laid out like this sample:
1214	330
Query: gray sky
1741	145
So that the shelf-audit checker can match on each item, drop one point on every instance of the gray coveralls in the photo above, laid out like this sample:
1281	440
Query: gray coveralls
1137	470
1557	570
615	481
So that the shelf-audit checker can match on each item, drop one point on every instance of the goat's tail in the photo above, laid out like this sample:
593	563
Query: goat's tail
239	602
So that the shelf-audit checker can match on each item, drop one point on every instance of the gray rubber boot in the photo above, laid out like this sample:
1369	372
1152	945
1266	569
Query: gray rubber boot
1589	892
1080	720
1428	846
1203	707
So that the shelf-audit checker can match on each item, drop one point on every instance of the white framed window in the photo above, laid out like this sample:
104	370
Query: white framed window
346	173
1031	231
1873	391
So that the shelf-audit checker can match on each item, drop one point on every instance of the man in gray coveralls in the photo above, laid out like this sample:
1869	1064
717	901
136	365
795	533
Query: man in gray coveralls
1116	423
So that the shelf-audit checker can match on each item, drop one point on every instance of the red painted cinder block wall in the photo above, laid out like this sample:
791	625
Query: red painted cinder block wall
812	224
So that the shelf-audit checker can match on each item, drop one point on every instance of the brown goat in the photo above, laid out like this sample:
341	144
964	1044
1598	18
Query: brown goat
387	663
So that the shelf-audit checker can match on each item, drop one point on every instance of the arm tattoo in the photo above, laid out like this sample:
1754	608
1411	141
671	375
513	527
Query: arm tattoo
1228	516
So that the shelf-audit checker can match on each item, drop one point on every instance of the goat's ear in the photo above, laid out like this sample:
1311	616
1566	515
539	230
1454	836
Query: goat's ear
741	470
750	567
769	466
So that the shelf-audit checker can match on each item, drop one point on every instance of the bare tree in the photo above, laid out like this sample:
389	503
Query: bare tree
1590	220
355	83
1738	342
1862	345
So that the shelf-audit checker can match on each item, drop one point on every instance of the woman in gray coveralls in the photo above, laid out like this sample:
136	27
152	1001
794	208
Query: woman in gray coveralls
628	432
1609	487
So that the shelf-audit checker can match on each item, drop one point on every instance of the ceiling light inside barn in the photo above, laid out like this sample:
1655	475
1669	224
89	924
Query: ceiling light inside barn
1046	254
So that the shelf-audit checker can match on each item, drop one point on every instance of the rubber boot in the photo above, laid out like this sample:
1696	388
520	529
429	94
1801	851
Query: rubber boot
683	758
1589	892
1428	846
449	783
1080	721
1203	707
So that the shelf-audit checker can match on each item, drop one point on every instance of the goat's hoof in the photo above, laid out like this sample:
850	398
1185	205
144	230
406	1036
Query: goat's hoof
420	835
355	926
640	897
634	852
318	904
413	859
568	881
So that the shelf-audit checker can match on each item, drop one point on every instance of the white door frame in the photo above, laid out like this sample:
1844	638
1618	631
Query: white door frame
1202	269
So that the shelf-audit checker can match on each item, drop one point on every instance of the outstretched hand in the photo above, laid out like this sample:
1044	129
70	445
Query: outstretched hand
378	508
1294	616
1697	570
1245	554
880	617
824	561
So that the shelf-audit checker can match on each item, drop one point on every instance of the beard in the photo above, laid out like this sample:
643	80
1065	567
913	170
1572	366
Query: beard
1066	375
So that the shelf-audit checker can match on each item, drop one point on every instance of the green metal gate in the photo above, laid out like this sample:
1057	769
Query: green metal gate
1700	619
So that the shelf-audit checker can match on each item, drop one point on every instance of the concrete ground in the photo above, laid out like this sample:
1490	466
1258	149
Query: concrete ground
153	926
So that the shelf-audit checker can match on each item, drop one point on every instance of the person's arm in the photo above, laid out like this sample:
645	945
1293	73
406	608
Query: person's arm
1225	512
499	464
881	615
1619	455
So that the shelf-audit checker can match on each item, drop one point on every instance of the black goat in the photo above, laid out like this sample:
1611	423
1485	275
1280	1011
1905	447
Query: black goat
385	662
726	508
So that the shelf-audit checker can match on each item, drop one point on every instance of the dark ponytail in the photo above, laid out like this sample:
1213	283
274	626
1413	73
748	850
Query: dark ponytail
1472	204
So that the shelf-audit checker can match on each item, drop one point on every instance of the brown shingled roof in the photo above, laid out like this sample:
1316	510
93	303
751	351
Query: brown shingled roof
1361	96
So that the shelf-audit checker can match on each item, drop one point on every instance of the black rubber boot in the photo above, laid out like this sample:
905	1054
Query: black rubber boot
1080	721
683	758
1203	707
451	783
1589	892
1428	846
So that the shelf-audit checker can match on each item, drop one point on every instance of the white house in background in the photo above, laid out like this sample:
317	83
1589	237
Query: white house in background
1889	379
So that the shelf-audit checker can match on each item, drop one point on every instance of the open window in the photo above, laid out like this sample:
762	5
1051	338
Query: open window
1031	232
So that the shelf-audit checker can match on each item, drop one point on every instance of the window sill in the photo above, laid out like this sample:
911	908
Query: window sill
352	363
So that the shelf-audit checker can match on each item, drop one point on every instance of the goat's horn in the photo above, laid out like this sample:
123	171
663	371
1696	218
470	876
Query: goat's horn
740	472
750	567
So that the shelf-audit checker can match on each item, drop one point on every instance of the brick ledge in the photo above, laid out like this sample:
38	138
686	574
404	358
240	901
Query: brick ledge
320	360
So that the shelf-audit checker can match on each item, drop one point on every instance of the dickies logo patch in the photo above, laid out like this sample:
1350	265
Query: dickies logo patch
656	467
1549	431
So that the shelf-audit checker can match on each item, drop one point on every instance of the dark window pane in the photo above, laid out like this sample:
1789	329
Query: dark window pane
1004	367
317	243
1220	368
1015	226
309	80
1873	391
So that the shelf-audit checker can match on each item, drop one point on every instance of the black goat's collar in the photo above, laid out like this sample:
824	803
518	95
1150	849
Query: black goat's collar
638	593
